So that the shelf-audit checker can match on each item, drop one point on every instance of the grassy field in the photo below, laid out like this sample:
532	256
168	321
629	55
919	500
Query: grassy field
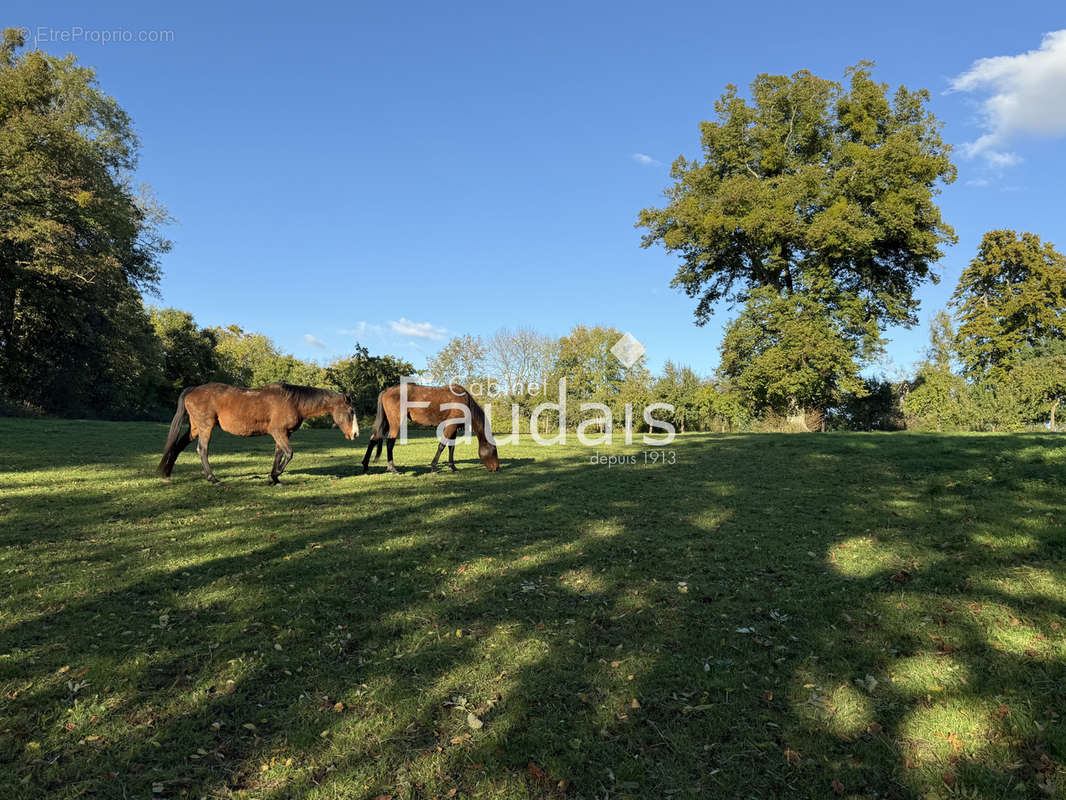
853	615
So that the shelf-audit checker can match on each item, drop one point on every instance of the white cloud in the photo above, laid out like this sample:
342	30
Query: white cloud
645	160
361	328
420	330
314	341
1026	95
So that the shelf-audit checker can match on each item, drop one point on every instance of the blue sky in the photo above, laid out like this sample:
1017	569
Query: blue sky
399	173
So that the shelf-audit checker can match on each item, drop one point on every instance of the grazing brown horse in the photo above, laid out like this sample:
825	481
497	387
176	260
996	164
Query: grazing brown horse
432	405
277	409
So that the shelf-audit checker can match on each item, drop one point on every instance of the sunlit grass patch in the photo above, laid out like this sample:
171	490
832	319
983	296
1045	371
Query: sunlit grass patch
765	616
930	676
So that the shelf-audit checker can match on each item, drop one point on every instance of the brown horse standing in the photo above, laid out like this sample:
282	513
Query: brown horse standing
451	405
277	409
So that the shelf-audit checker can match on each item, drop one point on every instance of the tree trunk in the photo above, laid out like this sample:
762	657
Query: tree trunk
1054	407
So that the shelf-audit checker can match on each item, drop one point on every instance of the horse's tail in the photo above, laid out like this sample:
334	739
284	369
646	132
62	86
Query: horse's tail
175	442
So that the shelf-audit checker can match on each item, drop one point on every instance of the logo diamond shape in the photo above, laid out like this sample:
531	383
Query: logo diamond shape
628	350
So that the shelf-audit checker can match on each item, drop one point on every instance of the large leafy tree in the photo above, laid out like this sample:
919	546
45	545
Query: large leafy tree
816	190
1010	304
813	188
77	243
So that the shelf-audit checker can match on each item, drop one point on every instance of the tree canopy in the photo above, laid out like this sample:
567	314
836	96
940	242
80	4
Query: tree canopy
810	188
1010	302
77	242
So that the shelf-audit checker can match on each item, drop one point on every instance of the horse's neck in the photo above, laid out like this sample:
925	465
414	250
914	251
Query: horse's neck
318	407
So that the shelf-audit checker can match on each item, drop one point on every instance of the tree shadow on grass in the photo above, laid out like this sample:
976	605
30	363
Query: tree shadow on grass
631	632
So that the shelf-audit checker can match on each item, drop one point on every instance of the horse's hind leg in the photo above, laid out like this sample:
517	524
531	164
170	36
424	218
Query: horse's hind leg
389	444
448	438
202	443
282	456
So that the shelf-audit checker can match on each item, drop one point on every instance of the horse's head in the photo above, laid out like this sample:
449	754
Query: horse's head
489	456
344	416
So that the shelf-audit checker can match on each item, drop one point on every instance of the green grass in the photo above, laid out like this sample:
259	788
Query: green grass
770	616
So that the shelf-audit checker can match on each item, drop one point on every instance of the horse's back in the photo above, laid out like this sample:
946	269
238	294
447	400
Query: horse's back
442	402
240	411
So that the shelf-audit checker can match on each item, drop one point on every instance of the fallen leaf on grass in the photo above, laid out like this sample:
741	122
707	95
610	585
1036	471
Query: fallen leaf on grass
838	787
792	757
473	721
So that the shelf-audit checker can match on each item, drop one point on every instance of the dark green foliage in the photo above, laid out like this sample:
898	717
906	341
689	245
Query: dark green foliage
189	352
76	243
879	407
786	353
1010	301
363	376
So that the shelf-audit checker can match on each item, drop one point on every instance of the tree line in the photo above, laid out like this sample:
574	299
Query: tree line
811	214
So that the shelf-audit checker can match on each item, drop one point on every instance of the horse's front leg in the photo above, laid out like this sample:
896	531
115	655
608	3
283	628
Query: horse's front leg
436	458
451	457
282	456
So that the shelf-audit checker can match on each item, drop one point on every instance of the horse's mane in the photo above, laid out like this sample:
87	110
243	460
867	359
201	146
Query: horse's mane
477	413
305	394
